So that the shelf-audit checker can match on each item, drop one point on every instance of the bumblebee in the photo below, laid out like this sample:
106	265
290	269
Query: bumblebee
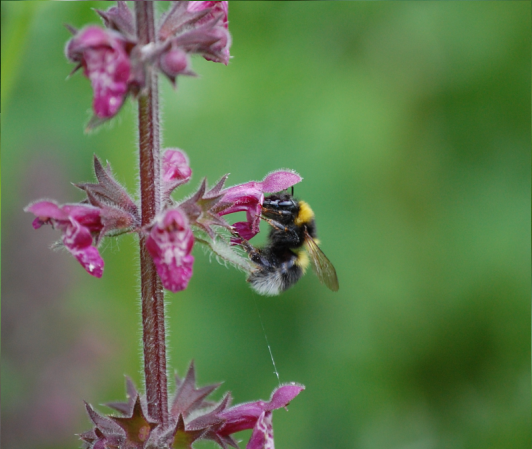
291	247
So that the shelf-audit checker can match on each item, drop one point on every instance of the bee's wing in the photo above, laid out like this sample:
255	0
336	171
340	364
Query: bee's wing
322	266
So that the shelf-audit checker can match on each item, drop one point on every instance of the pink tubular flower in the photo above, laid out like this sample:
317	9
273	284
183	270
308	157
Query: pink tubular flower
262	436
78	224
176	168
102	53
169	243
257	416
248	197
218	9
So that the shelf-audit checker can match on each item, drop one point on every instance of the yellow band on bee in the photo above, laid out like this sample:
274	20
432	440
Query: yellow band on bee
302	260
305	214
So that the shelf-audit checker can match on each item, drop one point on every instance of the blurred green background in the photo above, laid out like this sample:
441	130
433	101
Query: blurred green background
410	123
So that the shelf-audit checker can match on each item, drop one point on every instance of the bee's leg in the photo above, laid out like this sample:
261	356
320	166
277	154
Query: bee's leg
279	226
255	254
275	224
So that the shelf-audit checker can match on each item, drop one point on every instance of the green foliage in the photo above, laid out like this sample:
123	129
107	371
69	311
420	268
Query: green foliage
410	123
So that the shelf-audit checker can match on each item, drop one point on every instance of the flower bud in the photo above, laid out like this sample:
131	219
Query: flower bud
176	167
174	62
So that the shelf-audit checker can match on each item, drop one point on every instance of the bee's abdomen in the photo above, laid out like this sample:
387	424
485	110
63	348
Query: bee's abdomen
273	282
284	271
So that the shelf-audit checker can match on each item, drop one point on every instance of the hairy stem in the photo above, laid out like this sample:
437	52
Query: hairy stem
153	325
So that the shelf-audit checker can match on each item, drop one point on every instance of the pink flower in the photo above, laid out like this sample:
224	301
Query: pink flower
218	8
219	52
257	416
170	243
176	168
102	53
248	197
78	224
262	436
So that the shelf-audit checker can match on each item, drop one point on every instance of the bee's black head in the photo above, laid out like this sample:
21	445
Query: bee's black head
281	207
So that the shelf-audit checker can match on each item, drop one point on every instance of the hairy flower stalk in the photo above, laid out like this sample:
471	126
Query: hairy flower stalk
153	325
123	60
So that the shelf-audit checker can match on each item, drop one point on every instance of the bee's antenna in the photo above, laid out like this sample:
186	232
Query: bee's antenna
292	190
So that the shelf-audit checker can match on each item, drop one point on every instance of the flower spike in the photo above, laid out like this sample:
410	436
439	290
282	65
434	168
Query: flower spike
119	63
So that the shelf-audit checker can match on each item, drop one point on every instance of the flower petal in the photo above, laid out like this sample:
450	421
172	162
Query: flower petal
245	416
280	180
245	230
90	259
44	211
282	396
87	216
262	436
77	237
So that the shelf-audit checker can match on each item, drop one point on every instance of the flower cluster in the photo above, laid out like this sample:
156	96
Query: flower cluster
192	418
109	210
116	63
